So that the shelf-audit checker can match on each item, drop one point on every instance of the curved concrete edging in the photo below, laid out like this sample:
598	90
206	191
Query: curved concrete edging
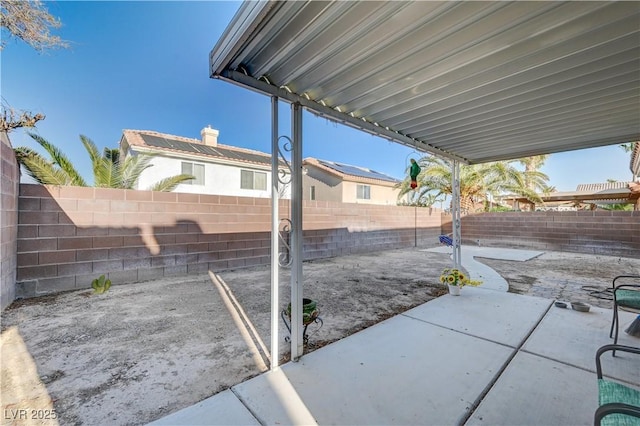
491	280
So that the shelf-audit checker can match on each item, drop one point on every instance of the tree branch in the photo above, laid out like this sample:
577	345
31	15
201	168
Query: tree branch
11	120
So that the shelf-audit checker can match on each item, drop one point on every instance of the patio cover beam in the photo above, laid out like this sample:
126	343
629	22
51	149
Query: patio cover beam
275	236
297	280
263	87
455	215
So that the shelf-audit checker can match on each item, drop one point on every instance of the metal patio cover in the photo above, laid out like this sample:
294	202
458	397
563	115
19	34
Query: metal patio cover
475	81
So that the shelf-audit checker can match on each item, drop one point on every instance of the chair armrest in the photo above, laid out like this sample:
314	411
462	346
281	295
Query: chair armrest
613	284
619	286
607	348
616	408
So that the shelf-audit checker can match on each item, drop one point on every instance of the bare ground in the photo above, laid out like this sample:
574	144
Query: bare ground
142	351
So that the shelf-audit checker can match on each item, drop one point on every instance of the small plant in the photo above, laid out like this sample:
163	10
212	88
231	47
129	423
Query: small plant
457	278
101	285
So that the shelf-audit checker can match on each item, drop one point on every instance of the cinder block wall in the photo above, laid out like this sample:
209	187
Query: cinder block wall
10	173
615	233
67	236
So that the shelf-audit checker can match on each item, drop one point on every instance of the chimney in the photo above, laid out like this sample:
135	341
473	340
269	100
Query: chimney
209	136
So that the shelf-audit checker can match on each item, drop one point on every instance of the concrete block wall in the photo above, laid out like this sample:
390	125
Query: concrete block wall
614	233
337	229
67	236
10	177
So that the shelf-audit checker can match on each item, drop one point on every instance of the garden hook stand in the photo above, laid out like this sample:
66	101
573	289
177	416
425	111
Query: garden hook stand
309	317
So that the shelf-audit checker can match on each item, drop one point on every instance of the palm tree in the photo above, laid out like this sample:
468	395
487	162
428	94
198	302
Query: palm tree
477	182
531	182
531	166
109	170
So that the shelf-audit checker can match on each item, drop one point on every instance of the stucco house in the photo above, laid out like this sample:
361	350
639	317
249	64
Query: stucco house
218	169
228	170
331	181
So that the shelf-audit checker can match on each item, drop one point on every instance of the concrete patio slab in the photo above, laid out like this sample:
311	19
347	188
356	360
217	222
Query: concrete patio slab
400	371
573	338
274	399
492	252
484	357
505	318
221	409
539	391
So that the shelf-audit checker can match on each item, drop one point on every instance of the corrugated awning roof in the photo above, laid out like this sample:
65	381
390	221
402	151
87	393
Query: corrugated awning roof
477	81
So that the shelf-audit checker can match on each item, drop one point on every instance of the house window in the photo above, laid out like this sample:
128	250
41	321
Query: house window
312	192
193	169
253	180
363	192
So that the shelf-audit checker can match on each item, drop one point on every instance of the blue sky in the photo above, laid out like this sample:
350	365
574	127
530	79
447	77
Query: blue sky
144	65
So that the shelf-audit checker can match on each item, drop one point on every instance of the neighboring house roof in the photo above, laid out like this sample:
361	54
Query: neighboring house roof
616	191
594	187
596	193
352	173
181	145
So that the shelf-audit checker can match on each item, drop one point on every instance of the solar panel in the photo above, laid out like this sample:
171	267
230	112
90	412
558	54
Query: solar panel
161	142
155	141
246	156
357	171
168	143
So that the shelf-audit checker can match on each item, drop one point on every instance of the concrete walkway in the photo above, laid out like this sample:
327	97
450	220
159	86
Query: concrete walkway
491	280
484	357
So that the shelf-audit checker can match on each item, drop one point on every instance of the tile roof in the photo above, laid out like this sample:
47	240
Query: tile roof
594	187
596	193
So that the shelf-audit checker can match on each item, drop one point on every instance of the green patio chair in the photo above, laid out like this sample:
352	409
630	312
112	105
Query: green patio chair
626	297
618	404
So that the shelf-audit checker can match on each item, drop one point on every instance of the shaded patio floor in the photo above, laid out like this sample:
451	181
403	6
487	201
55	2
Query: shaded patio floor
486	357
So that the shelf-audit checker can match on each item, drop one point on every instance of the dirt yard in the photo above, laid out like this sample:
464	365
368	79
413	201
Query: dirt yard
142	351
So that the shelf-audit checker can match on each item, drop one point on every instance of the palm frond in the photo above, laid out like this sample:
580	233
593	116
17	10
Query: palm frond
107	174
170	183
92	149
23	152
40	169
59	159
102	170
132	168
112	154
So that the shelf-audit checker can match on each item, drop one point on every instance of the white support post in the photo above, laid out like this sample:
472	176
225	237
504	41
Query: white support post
275	235
455	214
297	342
